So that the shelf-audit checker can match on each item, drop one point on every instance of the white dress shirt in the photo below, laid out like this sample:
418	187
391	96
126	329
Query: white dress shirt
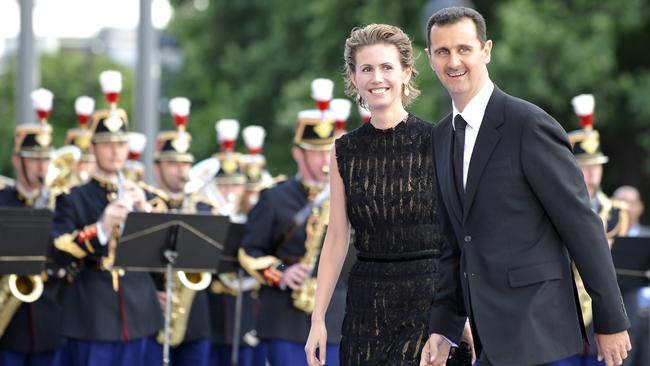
473	115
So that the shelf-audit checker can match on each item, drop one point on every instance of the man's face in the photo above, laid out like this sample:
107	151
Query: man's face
593	175
631	197
34	172
111	155
315	164
173	175
458	59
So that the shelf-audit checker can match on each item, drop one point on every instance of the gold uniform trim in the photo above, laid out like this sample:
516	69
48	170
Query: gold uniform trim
253	265
67	244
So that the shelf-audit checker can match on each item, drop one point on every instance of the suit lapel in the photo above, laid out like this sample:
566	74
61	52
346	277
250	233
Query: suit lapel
487	139
443	146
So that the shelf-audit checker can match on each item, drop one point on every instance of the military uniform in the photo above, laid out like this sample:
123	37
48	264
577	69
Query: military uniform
107	315
173	146
32	337
274	240
613	213
223	294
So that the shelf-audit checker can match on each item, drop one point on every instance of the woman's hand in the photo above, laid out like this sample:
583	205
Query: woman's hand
317	342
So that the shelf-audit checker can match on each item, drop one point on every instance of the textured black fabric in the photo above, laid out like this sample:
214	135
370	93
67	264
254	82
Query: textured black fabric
389	184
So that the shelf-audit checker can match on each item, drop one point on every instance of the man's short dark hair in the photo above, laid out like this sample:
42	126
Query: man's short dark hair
453	15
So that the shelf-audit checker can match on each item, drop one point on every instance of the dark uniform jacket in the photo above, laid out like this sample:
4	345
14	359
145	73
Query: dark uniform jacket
278	318
34	327
92	309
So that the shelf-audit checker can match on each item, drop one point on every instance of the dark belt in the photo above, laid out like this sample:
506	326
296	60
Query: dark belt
398	257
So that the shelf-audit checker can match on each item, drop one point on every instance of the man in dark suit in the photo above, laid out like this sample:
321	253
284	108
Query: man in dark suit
516	211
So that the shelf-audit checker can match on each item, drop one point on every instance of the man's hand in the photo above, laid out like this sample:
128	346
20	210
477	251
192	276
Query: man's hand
135	197
613	348
435	351
114	215
294	276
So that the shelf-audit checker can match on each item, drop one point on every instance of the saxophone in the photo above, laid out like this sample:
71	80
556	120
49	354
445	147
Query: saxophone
304	297
184	288
18	289
620	229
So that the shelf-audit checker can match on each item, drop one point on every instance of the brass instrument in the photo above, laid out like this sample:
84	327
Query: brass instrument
184	288
304	297
607	206
15	290
61	171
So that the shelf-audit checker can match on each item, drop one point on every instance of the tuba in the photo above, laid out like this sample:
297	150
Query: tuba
304	297
15	290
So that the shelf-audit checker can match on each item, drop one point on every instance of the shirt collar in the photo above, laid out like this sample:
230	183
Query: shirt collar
475	109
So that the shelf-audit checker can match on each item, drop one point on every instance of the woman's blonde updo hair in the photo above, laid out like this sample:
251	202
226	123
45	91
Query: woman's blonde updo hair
380	34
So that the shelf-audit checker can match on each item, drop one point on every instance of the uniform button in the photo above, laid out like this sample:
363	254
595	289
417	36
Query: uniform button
473	274
465	274
468	239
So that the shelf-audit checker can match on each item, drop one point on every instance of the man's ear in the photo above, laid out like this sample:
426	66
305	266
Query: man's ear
487	48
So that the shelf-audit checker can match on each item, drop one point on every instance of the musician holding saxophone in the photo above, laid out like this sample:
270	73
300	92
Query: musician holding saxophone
190	325
278	247
30	320
108	315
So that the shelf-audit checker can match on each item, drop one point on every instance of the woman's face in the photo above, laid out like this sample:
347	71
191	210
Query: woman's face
379	76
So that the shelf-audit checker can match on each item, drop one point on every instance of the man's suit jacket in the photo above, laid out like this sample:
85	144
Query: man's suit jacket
526	215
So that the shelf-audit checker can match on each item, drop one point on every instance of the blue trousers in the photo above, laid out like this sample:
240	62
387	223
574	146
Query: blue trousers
578	360
194	353
284	353
51	358
103	353
220	355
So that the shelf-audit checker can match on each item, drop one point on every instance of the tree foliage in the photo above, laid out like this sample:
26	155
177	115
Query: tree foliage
254	60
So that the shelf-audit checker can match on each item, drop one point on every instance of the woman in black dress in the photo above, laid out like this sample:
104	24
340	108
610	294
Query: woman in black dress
383	185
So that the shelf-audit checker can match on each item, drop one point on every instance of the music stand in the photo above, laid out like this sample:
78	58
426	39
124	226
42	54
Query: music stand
31	229
631	256
165	242
230	263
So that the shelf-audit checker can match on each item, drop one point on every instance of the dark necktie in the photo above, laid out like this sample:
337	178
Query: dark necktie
459	149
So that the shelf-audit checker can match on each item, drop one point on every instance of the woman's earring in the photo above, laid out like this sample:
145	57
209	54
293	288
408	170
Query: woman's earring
406	90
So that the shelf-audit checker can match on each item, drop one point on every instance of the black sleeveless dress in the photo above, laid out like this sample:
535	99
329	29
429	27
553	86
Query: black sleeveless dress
391	204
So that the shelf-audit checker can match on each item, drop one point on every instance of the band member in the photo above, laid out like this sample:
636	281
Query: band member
107	314
232	192
274	247
81	138
190	316
29	331
614	213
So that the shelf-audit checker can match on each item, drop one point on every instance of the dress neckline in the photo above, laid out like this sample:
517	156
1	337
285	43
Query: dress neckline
399	126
